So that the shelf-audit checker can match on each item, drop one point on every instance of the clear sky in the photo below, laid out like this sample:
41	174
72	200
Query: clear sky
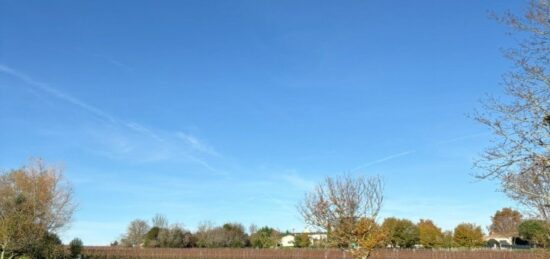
233	110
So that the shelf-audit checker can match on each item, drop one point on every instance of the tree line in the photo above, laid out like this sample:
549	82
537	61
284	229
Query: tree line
395	233
140	233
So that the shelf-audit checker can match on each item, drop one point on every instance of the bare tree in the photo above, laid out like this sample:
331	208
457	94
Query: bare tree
346	208
505	222
34	201
520	156
160	221
135	233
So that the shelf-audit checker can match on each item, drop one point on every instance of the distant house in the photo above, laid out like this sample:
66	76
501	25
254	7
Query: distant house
314	238
287	240
497	241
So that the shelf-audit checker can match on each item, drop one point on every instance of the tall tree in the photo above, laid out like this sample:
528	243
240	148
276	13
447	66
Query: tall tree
337	205
35	202
520	155
505	222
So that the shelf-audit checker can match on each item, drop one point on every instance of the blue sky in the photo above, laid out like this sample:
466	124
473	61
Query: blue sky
232	110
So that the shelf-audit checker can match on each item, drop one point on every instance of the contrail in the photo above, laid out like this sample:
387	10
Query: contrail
384	159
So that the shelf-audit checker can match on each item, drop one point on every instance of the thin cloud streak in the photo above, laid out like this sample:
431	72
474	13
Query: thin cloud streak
409	152
465	137
52	91
384	159
120	140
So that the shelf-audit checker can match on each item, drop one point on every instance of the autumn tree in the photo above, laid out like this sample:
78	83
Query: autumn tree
135	233
35	203
429	235
520	122
337	205
468	235
505	222
368	236
400	232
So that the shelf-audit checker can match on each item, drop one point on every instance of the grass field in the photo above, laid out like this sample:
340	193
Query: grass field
228	253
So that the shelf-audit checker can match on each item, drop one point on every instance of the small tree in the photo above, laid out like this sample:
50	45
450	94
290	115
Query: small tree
429	235
337	205
505	222
400	232
135	234
75	248
468	235
302	240
265	237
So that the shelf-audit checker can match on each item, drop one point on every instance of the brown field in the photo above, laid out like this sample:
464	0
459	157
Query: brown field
228	253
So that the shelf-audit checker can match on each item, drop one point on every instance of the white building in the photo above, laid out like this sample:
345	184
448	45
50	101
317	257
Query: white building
314	238
287	240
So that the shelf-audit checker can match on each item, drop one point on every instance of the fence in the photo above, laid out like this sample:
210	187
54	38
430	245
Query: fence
249	253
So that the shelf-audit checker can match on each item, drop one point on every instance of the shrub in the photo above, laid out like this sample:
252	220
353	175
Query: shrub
75	247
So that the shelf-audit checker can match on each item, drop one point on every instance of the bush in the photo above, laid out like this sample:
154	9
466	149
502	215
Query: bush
75	247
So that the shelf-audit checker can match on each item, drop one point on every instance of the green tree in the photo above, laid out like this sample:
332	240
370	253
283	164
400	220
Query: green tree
75	247
429	234
400	232
468	235
536	232
151	238
448	239
265	237
302	240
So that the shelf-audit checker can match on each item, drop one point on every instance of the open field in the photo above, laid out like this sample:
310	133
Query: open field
228	253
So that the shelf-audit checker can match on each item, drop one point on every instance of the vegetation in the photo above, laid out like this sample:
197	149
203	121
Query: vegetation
536	232
265	237
401	233
302	240
429	235
505	222
520	124
468	235
346	209
35	203
75	248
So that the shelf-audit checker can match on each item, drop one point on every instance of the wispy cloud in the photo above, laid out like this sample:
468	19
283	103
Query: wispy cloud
423	147
384	159
121	139
464	137
298	182
56	93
